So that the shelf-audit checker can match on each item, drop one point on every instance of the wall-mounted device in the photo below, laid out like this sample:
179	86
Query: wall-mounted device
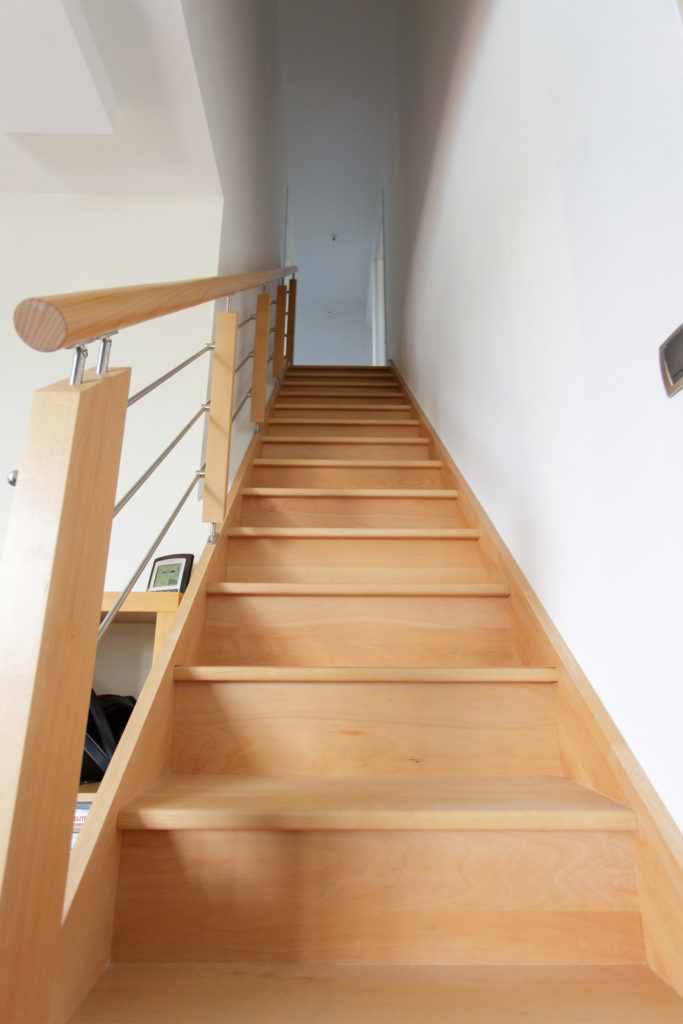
671	361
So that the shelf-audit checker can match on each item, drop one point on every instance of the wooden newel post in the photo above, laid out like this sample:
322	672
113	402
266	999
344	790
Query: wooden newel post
52	581
280	322
291	321
259	380
220	420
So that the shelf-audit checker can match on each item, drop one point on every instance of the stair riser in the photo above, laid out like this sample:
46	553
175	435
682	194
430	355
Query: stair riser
363	477
357	729
354	559
378	428
311	410
340	396
374	897
303	449
373	512
357	630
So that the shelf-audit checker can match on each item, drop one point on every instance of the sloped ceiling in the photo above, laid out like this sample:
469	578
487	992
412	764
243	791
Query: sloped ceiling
101	97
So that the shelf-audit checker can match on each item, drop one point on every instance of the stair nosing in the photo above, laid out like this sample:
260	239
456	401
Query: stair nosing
348	492
396	803
363	674
375	463
353	532
495	590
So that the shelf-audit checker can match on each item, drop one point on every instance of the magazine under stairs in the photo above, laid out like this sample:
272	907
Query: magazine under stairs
367	814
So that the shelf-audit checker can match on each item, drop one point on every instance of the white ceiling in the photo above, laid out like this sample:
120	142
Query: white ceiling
101	97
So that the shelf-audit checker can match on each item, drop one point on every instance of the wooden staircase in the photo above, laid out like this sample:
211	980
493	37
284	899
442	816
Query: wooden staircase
367	815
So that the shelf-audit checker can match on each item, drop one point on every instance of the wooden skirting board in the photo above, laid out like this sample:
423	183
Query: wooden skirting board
593	750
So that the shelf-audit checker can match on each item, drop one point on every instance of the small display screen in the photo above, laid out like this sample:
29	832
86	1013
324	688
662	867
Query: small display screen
167	575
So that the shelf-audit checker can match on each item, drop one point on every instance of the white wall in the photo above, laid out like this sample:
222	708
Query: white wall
543	269
337	66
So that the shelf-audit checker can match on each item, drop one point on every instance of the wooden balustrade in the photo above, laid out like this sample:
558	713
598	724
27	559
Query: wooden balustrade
52	582
291	321
280	323
53	578
259	380
220	419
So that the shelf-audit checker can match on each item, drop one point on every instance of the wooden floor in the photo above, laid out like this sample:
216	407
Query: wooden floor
277	994
367	817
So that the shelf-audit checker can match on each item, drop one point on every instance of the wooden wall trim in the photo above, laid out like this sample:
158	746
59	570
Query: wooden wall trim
593	750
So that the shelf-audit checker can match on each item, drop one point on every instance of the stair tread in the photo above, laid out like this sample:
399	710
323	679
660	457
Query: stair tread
332	422
354	533
433	802
291	404
290	994
365	589
361	674
347	492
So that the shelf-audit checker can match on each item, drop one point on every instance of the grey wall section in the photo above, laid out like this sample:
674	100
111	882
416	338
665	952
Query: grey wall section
234	45
337	64
537	273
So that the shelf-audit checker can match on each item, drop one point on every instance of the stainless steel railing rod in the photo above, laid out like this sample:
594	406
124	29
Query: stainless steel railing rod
157	462
167	376
109	617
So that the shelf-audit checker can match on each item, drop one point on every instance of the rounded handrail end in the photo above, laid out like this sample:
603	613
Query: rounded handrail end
40	325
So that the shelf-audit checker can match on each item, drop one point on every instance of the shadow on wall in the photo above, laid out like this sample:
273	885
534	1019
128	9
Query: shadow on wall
448	37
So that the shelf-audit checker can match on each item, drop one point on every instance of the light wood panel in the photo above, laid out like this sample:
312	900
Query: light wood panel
53	575
369	897
365	728
260	368
332	396
220	419
280	323
301	427
273	506
353	629
357	474
55	321
290	994
348	556
141	758
343	410
291	320
344	448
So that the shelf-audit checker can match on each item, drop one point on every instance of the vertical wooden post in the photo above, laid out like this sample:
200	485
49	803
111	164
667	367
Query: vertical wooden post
280	321
291	321
261	338
220	420
52	581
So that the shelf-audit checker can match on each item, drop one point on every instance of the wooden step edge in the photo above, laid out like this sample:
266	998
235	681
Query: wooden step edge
302	421
376	803
347	492
403	406
346	439
353	463
359	674
359	589
351	533
627	993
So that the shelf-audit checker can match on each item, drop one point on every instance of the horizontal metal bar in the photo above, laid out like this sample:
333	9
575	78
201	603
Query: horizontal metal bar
167	376
271	331
111	614
239	407
244	361
246	320
157	462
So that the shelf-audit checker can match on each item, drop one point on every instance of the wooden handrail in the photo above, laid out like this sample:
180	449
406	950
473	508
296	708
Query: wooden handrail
59	321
